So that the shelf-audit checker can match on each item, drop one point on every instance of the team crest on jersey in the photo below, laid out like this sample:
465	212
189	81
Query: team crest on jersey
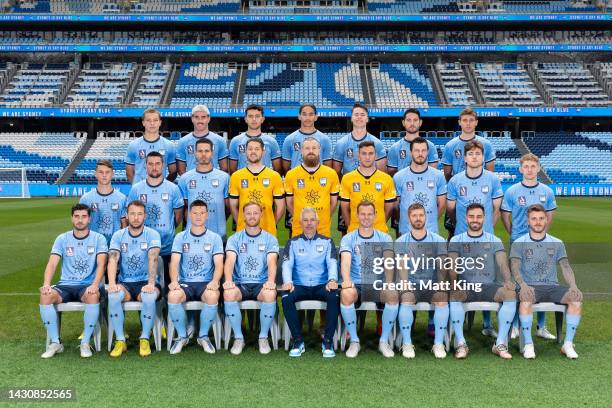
115	206
402	154
244	183
141	153
144	246
522	201
124	247
463	191
529	253
69	251
186	247
243	248
457	154
300	183
214	183
165	196
190	149
550	252
484	189
265	182
356	187
319	248
542	198
323	181
410	185
349	153
296	147
261	247
143	198
192	184
378	186
207	247
430	184
91	250
241	148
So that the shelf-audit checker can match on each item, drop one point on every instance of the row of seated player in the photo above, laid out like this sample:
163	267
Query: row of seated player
506	85
44	155
36	85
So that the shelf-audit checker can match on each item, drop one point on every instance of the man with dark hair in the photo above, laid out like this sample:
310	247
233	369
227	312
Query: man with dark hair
399	157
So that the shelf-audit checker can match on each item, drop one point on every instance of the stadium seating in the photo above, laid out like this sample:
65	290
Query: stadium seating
151	85
582	157
211	84
105	147
185	6
455	84
506	85
507	161
303	6
327	85
404	85
37	85
570	84
44	155
101	85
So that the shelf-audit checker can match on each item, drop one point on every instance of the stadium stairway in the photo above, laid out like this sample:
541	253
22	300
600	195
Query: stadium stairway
69	170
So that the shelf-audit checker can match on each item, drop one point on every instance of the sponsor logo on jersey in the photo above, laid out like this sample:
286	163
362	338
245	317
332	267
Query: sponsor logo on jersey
296	146
529	253
300	183
244	183
186	247
94	206
190	149
402	154
143	198
522	201
243	248
265	182
124	247
356	187
141	153
349	153
192	184
457	154
69	251
378	186
242	148
463	191
410	185
323	181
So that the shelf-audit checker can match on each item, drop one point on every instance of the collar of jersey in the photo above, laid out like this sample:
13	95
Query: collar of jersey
536	184
152	186
135	236
475	236
315	236
252	137
419	240
253	236
467	140
477	177
80	239
256	174
364	176
154	141
105	195
204	172
200	137
418	172
359	140
197	235
537	240
308	134
361	236
310	172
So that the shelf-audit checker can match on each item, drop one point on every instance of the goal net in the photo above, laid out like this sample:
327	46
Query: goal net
14	183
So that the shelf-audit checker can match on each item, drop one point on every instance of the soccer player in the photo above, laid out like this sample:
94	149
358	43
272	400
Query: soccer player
398	156
367	183
207	184
345	157
186	151
151	141
260	184
132	273
196	269
488	257
420	183
311	184
254	118
163	203
106	203
83	254
418	240
514	216
310	272
533	260
250	274
292	145
353	255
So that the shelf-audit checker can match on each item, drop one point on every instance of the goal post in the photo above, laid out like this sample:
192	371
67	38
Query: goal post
14	182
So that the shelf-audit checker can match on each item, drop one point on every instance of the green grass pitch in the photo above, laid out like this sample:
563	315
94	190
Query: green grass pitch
27	230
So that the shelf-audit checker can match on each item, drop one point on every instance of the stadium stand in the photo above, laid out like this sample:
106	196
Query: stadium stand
303	6
582	157
151	85
116	6
406	85
37	85
102	84
111	148
455	84
44	155
326	85
211	84
506	85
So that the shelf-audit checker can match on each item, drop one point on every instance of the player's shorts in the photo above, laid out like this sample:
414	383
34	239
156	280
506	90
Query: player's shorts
288	220
250	291
549	293
342	227
367	293
487	294
134	288
194	290
425	295
70	293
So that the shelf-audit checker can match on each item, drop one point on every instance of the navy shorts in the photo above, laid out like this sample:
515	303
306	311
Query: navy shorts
487	293
71	293
367	293
426	295
549	293
194	290
134	288
250	291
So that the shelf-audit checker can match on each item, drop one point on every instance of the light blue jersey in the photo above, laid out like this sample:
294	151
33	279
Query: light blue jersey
212	188
160	202
134	253
453	153
197	253
423	188
539	258
79	256
429	247
252	255
481	248
347	151
399	156
292	146
237	149
186	148
106	211
138	149
466	190
363	251
310	262
517	200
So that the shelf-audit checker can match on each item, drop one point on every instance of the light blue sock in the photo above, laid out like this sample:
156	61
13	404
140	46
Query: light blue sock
117	316
350	320
526	322
232	311
48	314
457	316
541	320
207	317
505	316
90	318
571	324
266	317
405	319
389	316
147	314
441	322
179	319
486	319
